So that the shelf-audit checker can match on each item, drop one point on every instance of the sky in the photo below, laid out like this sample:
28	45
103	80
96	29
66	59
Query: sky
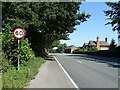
93	27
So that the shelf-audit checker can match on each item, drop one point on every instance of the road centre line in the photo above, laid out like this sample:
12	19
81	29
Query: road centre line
79	62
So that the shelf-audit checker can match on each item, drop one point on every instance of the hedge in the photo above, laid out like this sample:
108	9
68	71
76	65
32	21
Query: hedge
104	53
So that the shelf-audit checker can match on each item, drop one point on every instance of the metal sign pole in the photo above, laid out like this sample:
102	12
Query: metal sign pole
18	55
18	33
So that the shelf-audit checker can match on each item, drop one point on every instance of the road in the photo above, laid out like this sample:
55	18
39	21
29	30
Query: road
89	73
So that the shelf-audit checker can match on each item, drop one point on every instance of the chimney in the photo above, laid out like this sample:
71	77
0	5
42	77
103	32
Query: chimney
106	39
98	43
98	39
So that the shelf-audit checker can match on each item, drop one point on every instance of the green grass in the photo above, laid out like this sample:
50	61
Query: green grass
0	81
0	70
18	79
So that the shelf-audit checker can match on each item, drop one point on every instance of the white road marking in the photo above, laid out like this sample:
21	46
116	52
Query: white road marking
79	62
67	74
118	76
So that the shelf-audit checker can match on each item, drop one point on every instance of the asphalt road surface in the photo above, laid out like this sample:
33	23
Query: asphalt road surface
89	73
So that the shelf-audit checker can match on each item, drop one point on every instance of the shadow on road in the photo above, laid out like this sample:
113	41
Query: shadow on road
49	58
112	62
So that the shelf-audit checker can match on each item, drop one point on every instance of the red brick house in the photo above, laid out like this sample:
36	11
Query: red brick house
99	45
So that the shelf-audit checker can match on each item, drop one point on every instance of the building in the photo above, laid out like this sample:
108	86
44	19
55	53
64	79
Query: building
99	45
85	46
70	49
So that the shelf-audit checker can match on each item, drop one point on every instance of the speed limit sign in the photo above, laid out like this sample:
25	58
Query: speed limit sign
19	33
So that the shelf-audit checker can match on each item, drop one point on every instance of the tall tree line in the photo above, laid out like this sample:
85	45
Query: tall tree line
44	22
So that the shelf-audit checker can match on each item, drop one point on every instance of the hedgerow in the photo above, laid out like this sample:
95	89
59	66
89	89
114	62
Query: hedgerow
12	78
10	47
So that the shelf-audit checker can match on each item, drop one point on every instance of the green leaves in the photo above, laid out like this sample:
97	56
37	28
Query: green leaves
45	21
114	15
112	44
10	47
25	51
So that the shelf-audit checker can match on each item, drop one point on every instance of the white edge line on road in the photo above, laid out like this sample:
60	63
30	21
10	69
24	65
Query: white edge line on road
67	74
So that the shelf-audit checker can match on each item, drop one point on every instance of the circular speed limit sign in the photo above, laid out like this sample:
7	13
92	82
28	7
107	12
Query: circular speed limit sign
19	33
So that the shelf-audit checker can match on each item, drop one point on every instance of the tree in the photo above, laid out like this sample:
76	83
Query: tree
55	43
114	15
112	44
61	48
10	48
44	22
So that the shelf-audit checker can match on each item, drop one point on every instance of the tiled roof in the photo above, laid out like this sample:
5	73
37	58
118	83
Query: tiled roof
69	47
92	42
104	43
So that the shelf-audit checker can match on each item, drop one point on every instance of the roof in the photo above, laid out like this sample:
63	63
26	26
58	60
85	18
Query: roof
103	43
92	43
69	47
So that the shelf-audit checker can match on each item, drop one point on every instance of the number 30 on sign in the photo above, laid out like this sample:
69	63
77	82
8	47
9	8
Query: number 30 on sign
19	33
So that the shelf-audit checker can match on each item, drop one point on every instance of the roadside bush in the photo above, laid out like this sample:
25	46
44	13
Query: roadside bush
15	80
26	52
0	62
103	53
6	64
29	65
10	48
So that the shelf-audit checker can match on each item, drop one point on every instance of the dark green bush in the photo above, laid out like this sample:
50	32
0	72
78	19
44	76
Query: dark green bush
103	53
10	47
12	78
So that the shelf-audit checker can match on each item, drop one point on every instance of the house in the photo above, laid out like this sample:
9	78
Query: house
70	49
99	45
85	46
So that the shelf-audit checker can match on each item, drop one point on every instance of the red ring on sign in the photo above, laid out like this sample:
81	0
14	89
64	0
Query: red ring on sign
22	31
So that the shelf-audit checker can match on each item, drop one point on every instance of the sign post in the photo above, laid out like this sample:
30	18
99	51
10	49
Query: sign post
18	55
19	33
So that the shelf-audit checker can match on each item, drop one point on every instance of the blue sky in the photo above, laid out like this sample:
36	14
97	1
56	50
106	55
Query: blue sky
95	26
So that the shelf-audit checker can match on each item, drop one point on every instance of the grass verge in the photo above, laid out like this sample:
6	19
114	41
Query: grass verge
0	70
16	80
